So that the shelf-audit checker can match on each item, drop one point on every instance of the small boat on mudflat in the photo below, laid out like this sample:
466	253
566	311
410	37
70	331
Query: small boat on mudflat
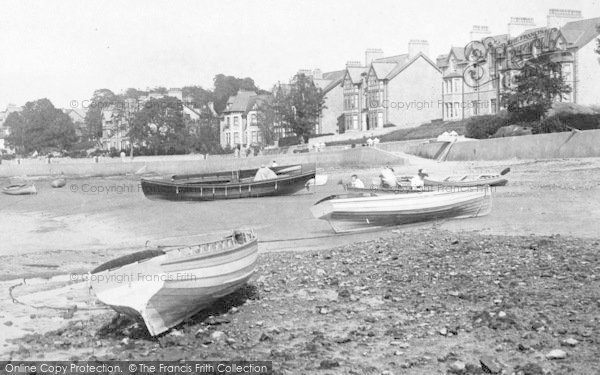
164	287
229	184
20	189
352	213
58	183
471	181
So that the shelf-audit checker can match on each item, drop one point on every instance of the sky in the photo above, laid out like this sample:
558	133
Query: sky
64	50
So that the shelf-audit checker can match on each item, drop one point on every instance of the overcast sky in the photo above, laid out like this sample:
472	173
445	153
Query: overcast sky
64	50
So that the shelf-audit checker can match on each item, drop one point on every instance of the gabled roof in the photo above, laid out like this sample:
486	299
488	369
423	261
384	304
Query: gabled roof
401	67
580	33
258	100
458	52
355	73
393	59
239	102
382	70
335	79
387	71
335	75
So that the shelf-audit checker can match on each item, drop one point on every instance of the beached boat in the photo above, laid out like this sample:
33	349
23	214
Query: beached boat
19	189
58	183
352	212
230	184
470	181
164	287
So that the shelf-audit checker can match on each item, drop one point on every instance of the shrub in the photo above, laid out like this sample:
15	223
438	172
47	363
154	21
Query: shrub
4	156
289	141
566	121
526	114
389	125
481	127
320	135
550	125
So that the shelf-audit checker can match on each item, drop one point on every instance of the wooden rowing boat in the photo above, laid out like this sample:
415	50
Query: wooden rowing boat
165	287
20	189
471	181
230	184
352	213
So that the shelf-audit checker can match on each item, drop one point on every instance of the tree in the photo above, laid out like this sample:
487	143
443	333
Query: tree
341	124
303	106
226	86
267	119
101	99
159	126
534	88
199	96
133	93
40	127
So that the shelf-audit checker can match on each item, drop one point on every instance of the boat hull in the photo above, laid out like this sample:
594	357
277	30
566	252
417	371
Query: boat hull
361	213
492	181
20	190
165	290
291	180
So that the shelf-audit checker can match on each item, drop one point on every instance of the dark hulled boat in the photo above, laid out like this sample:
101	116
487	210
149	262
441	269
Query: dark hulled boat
229	184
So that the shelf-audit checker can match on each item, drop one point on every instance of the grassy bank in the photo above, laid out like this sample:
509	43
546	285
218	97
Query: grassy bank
425	131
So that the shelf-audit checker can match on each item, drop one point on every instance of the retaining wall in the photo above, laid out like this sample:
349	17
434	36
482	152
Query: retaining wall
539	146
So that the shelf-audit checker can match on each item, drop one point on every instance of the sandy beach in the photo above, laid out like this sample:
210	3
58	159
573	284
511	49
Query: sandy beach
543	221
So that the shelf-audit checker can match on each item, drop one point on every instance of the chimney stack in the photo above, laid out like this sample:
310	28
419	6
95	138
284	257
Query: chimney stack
352	64
306	72
372	54
479	32
558	17
517	25
418	45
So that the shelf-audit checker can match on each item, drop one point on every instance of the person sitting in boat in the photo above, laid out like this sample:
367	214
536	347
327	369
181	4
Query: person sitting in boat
418	181
264	173
388	179
356	182
274	164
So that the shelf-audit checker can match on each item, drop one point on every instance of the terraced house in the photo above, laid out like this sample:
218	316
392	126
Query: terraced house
401	90
573	46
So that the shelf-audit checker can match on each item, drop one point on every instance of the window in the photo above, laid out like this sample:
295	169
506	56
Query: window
456	110
253	120
236	121
493	108
236	138
475	105
456	82
228	121
355	122
379	120
355	103
254	136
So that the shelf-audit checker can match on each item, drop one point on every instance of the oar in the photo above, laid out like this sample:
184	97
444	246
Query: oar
504	171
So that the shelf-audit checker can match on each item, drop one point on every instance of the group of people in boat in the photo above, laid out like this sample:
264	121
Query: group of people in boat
388	179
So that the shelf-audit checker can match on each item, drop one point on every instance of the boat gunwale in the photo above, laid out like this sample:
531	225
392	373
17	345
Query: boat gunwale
253	240
228	185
